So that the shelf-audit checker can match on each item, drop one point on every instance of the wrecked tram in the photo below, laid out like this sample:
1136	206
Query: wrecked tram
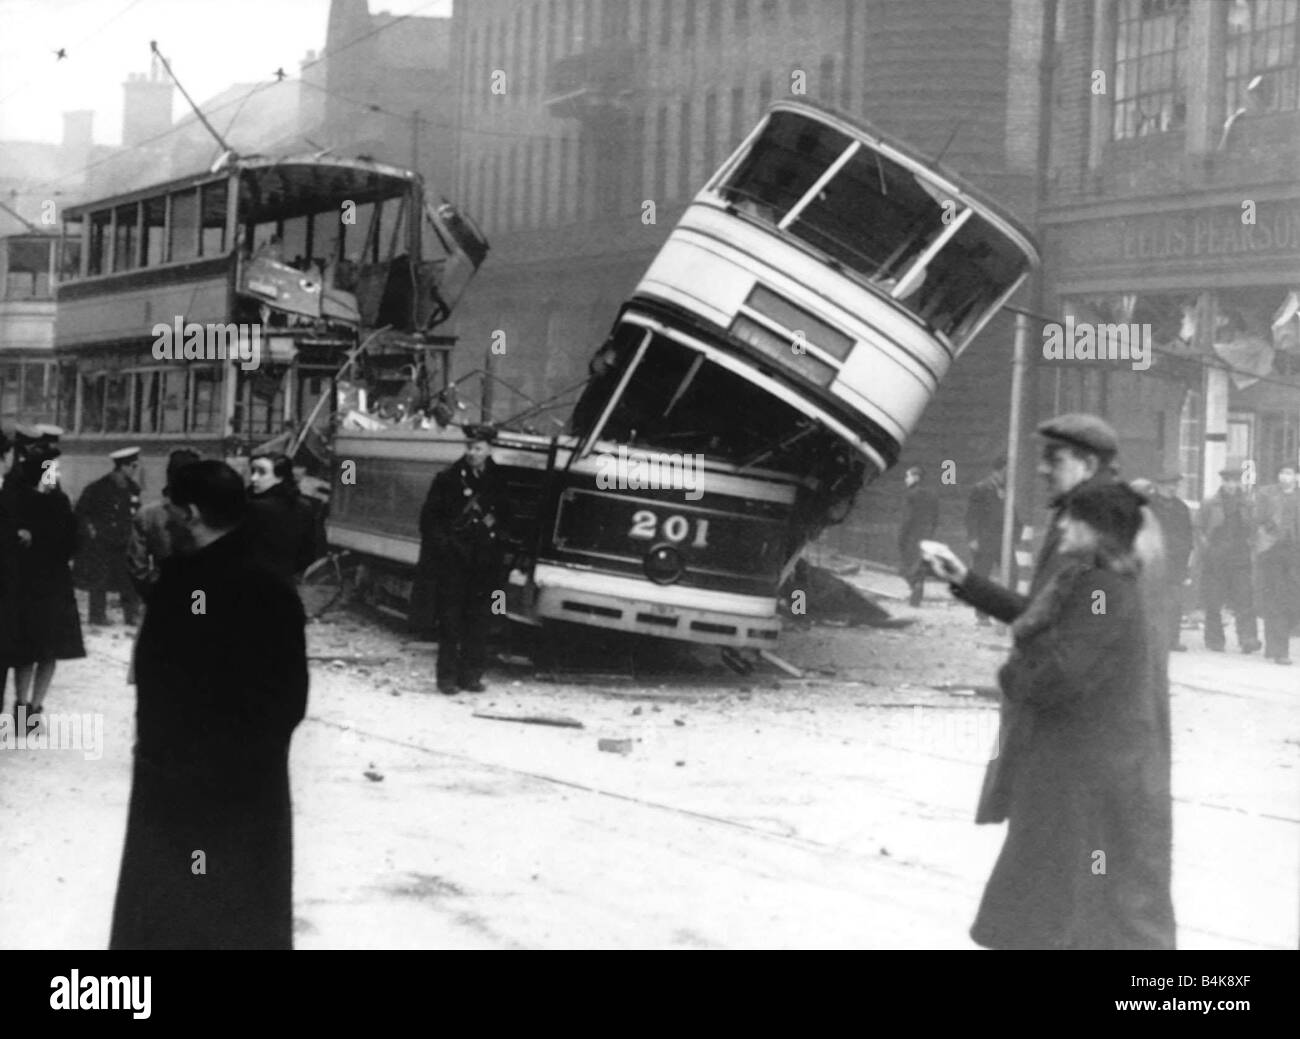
214	311
787	338
773	358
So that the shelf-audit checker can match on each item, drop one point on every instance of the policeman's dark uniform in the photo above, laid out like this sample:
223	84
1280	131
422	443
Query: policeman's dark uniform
464	555
105	512
1227	529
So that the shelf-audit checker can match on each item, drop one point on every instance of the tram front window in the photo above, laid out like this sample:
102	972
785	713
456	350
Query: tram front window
677	400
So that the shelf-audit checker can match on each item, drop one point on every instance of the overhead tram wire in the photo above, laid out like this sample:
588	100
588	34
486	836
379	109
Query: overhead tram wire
126	150
93	33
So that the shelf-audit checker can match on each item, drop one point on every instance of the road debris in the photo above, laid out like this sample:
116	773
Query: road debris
615	746
557	720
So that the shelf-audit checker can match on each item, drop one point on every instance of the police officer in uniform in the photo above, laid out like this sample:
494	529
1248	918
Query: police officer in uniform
461	525
105	512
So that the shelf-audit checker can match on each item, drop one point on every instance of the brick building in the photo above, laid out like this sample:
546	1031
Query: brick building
1172	200
575	114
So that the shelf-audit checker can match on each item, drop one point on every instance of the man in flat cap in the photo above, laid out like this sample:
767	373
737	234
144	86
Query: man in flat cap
1078	454
104	513
1176	527
461	525
1226	534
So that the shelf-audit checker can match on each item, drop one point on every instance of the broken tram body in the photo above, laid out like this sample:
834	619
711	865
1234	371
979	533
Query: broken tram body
214	311
785	339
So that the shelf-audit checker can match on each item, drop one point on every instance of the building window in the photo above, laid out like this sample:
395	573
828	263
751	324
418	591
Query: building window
1150	67
742	13
684	153
1262	42
661	155
688	19
710	132
643	24
1189	445
666	23
715	19
826	80
738	126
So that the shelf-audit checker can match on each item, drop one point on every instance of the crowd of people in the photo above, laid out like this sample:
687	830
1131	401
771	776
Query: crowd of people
108	543
1243	540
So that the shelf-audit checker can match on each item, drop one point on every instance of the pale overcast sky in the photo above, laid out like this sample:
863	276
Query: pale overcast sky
209	43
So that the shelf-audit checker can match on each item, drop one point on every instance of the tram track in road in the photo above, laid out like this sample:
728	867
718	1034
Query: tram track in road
877	744
908	868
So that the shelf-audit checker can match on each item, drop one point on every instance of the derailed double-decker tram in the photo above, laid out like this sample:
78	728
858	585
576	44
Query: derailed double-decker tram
775	356
214	311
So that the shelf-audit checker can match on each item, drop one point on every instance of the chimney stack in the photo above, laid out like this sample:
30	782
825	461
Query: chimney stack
146	107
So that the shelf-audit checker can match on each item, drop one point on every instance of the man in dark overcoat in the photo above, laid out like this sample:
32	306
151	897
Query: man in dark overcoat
1079	452
1084	865
920	521
461	524
221	679
104	514
985	509
1226	538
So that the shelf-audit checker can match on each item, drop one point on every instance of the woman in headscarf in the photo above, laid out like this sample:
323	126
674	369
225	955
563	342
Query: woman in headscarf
48	627
1086	863
280	528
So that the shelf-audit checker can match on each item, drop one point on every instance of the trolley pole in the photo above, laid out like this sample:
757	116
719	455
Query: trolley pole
1019	361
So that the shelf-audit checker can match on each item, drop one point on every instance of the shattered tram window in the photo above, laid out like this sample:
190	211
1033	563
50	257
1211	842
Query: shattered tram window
782	166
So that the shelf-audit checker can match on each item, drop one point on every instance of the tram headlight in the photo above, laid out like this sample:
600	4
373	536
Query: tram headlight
664	564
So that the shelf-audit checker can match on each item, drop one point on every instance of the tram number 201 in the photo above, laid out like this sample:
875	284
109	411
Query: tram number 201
647	525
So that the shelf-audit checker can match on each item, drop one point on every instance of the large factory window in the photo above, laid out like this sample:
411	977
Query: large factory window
1262	42
1150	67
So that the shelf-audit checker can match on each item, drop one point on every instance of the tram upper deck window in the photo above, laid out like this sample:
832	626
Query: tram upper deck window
184	244
70	250
873	215
212	240
127	237
966	277
154	230
782	165
101	242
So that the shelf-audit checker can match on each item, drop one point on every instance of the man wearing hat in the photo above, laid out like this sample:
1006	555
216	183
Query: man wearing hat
1078	452
1226	532
104	513
1176	526
984	523
461	525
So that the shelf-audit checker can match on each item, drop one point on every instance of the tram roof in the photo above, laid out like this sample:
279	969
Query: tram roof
250	163
911	155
